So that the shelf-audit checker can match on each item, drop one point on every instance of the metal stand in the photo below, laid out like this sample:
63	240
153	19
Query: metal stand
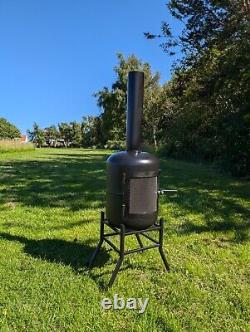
123	232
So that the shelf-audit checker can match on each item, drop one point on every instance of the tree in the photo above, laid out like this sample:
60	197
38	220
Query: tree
205	23
66	134
91	128
70	133
113	102
210	87
51	135
76	133
37	136
8	130
157	111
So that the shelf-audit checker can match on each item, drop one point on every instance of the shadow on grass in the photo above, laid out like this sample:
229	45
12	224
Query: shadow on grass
41	227
241	229
220	201
68	181
73	254
78	181
217	214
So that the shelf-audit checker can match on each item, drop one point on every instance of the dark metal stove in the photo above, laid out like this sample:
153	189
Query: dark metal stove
132	186
132	175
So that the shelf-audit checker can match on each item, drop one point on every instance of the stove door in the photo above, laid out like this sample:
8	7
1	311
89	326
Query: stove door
142	195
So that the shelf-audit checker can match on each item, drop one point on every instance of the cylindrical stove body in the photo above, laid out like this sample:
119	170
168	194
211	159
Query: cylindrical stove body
132	193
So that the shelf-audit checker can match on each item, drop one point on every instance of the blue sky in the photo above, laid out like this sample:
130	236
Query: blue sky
54	54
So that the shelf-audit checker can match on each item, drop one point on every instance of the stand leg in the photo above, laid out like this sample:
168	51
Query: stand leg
116	270
119	262
97	250
161	246
139	241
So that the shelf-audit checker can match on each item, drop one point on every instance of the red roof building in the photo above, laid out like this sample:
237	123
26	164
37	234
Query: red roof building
23	139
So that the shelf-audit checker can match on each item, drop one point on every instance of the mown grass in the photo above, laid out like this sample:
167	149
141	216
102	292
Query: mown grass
15	146
50	203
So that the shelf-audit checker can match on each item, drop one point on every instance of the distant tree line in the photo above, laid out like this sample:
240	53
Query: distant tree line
71	134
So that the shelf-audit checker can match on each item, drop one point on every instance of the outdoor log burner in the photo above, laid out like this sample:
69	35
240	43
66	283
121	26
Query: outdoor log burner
132	187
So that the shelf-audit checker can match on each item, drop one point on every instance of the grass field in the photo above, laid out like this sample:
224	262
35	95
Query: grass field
50	201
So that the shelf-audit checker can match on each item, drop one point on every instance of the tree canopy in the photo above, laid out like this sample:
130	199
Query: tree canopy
8	130
112	102
210	88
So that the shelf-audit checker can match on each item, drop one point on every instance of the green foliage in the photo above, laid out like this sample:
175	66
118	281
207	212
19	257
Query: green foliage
92	134
8	130
87	133
37	136
210	88
158	108
115	145
70	133
113	102
66	133
76	134
51	135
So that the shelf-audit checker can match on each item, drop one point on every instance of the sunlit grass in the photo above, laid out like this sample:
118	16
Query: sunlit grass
50	202
15	146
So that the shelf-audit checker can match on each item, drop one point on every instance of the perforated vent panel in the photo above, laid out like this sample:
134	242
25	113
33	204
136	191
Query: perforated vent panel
143	195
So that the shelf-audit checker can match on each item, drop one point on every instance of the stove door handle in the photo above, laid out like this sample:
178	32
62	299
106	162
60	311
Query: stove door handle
166	191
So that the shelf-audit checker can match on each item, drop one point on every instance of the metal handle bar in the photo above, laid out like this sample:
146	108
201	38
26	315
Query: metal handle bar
166	191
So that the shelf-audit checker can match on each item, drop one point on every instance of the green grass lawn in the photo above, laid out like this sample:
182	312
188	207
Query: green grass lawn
50	202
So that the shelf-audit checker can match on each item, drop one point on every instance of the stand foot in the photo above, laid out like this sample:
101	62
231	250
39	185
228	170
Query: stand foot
164	259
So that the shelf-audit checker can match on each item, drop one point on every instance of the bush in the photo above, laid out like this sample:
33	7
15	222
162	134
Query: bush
163	150
115	145
148	148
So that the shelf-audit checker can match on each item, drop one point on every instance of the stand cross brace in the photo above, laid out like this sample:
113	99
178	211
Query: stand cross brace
123	232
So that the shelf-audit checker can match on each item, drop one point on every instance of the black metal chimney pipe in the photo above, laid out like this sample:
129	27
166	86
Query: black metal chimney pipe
134	109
